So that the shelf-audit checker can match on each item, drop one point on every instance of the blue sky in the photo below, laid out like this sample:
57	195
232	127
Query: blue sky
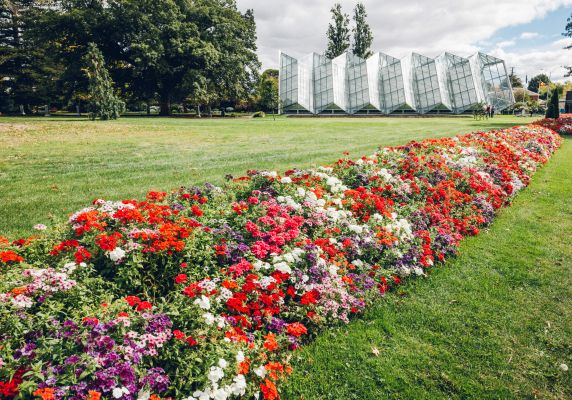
525	33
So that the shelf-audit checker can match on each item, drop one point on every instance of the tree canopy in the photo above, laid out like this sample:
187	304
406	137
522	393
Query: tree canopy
537	81
338	32
166	52
568	33
363	37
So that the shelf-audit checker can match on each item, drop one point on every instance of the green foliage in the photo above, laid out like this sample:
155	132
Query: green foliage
104	104
535	82
363	37
268	96
553	110
515	81
259	114
27	70
338	32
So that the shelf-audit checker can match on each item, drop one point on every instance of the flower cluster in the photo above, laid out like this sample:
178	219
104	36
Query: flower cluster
562	125
202	293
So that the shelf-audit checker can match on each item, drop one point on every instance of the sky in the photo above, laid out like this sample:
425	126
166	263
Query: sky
527	34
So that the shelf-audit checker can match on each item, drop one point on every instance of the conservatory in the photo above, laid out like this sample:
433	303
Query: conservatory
383	84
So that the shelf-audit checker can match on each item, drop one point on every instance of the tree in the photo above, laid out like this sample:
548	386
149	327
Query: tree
535	82
104	103
268	96
363	38
568	33
553	110
27	72
515	81
338	32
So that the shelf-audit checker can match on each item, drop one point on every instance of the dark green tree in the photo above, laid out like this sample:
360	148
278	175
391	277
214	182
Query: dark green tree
27	72
363	37
534	83
268	97
103	102
553	110
338	32
515	81
568	33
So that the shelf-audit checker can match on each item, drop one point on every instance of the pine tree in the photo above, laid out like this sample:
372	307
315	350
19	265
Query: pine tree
103	101
363	37
338	33
553	110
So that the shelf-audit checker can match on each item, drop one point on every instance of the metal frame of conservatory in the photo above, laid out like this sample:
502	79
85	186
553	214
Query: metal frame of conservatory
384	84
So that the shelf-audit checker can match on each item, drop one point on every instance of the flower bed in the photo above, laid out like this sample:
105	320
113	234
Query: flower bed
562	125
203	293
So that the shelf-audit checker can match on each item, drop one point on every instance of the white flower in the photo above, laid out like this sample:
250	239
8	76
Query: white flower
283	267
260	371
220	394
238	388
118	392
144	394
564	367
117	254
222	363
209	318
201	395
239	357
286	180
203	302
40	227
215	374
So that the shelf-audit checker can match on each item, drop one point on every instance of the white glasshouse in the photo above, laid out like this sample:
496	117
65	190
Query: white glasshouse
383	84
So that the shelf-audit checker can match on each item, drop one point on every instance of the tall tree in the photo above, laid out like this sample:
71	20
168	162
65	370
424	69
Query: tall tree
363	37
534	83
27	72
103	102
568	33
553	110
338	32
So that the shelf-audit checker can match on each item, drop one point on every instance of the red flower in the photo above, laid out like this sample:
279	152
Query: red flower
270	343
310	297
108	242
269	391
82	255
240	268
196	210
10	256
191	341
296	329
132	300
144	305
178	334
181	278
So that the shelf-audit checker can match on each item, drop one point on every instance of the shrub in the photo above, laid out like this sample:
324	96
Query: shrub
259	114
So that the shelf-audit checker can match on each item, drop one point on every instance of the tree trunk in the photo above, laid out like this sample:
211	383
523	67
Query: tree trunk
198	111
78	109
22	110
165	105
148	109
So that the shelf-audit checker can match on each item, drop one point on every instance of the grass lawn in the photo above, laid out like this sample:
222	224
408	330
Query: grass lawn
494	323
51	167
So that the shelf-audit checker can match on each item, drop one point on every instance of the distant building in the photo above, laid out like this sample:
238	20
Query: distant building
523	95
383	84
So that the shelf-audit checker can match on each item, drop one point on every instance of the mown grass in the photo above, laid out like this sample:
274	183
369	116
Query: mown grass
54	166
494	323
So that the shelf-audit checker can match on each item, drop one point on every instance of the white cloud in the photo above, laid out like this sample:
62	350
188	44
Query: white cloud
548	59
529	35
400	27
506	43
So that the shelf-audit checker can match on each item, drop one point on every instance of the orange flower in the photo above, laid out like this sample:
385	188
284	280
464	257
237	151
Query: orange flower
296	329
45	394
269	391
270	344
93	395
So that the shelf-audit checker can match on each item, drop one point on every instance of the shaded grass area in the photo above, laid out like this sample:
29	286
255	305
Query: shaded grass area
494	323
54	166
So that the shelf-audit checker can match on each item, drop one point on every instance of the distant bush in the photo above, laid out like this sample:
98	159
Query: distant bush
259	114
